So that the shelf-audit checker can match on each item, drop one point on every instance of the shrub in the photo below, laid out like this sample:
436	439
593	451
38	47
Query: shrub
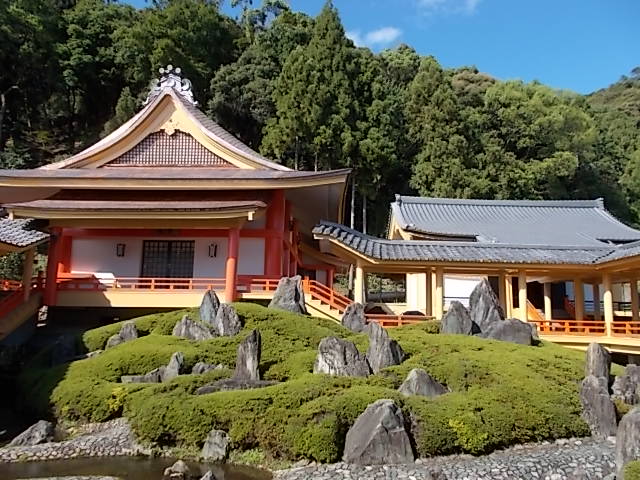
502	393
632	470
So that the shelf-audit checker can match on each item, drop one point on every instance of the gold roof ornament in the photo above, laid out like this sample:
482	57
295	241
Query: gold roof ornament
171	78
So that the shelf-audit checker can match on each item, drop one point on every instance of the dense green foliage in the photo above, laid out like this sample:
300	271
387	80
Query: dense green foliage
297	89
632	470
502	393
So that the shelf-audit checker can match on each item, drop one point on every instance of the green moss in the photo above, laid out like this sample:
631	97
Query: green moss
501	393
632	470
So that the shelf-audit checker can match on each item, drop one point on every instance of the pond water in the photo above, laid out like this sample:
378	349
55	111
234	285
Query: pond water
127	468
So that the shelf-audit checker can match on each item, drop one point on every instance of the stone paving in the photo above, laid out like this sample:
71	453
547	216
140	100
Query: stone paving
108	439
575	459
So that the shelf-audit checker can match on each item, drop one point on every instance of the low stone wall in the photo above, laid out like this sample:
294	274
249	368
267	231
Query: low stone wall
109	439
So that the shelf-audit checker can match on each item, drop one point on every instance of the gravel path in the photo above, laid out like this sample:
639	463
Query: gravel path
583	459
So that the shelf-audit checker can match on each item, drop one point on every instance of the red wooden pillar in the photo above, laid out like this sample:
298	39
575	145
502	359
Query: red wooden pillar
275	228
231	270
54	265
286	254
330	271
293	270
64	262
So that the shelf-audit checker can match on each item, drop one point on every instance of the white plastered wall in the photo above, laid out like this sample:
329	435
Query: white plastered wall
456	287
97	255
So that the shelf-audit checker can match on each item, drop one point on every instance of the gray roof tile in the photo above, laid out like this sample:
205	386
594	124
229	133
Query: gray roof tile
20	232
577	223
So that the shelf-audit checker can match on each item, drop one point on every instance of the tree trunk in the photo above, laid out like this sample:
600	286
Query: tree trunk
352	224
364	214
3	110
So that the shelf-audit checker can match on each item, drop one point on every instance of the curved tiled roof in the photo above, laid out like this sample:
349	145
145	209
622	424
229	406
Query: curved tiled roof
578	223
20	232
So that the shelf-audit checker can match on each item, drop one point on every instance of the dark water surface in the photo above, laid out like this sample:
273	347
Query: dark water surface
128	468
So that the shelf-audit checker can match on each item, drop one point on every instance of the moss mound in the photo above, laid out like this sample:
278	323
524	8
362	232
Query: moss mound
632	470
501	393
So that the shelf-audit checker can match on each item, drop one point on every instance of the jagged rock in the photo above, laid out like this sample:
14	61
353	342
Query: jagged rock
289	295
227	323
625	387
208	476
378	437
201	367
457	320
154	376
216	446
598	410
340	357
353	317
598	361
383	351
484	306
579	474
511	330
63	350
39	432
128	332
174	367
248	358
627	441
209	307
187	328
228	384
177	471
419	382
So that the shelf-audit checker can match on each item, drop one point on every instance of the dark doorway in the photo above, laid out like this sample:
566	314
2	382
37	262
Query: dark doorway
167	258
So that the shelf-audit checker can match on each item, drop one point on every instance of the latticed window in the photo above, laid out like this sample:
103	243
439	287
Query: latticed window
167	258
162	150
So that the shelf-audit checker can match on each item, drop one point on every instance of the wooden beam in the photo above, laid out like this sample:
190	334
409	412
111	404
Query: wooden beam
358	287
438	308
428	294
608	303
502	291
231	267
634	298
548	308
596	300
508	283
578	293
522	295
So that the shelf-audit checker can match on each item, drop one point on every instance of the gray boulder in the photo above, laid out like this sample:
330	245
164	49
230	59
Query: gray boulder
202	367
227	323
457	320
341	358
383	351
511	330
174	367
419	382
625	386
63	350
627	441
187	328
353	317
216	446
598	362
154	376
177	471
598	410
208	476
484	305
39	432
209	307
289	295
228	384
248	358
379	437
128	332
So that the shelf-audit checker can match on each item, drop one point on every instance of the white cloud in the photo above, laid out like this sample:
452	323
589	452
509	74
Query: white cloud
380	37
448	6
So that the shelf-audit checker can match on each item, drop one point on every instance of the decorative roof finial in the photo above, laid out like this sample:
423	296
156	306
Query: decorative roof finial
171	78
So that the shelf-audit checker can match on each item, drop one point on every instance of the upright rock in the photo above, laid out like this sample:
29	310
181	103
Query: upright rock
340	357
289	295
598	361
187	328
627	441
484	306
625	386
598	410
457	320
354	318
511	330
174	367
227	323
379	437
39	432
419	382
209	307
128	332
383	351
248	358
216	446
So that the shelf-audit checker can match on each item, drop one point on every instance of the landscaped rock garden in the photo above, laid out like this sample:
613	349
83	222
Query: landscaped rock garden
329	393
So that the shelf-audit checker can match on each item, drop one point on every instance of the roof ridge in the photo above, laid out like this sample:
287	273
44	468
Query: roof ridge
595	203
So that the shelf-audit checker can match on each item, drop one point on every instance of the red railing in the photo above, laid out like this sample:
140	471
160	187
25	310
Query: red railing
326	295
625	328
139	283
257	284
396	320
569	327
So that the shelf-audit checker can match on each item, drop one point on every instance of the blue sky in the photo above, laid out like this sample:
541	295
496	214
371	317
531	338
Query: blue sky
582	45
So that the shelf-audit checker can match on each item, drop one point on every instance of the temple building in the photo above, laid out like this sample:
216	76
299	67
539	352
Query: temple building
170	201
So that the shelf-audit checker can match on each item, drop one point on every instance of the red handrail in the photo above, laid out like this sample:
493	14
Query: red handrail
11	301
